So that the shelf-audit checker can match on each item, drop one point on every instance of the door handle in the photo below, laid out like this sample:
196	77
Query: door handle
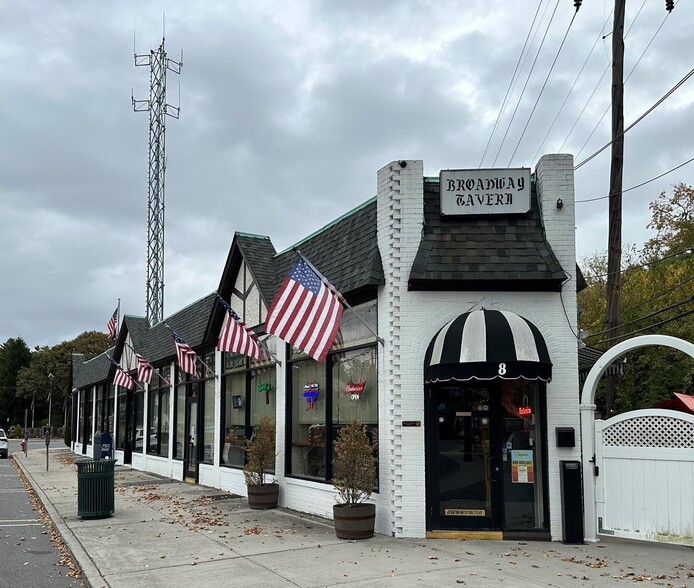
493	469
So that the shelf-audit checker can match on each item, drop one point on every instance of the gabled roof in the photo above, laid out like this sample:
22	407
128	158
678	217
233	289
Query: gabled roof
508	252
138	329
94	371
190	323
344	251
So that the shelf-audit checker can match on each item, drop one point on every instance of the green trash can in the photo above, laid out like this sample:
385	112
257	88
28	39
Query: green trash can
95	488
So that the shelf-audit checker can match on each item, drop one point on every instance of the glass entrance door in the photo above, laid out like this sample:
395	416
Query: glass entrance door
191	460
463	464
484	457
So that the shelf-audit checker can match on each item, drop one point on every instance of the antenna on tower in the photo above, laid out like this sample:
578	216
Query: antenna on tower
158	109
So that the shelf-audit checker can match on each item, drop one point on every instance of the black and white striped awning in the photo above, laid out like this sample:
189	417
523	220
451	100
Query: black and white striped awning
487	345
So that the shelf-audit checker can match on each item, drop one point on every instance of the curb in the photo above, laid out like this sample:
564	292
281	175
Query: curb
87	567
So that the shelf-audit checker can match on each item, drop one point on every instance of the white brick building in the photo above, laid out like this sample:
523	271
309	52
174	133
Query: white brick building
464	445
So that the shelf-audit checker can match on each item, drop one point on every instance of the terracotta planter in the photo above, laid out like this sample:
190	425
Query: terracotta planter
263	497
354	522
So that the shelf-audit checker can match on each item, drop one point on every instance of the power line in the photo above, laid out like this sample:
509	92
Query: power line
544	85
663	322
648	300
646	316
625	81
511	83
561	108
638	120
647	263
532	68
642	183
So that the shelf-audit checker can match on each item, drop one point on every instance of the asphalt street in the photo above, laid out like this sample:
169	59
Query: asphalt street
28	556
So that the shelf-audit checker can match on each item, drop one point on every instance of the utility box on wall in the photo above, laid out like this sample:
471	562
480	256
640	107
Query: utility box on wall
566	436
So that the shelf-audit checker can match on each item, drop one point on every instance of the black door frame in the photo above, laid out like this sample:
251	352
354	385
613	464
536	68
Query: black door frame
436	521
187	457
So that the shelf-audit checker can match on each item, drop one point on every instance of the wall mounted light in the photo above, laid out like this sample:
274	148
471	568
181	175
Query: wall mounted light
560	203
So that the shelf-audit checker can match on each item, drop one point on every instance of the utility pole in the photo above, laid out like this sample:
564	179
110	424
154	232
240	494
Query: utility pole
158	64
614	239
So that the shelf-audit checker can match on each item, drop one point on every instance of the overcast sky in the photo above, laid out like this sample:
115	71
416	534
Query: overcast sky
288	109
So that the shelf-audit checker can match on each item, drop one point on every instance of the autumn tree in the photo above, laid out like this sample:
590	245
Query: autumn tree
672	217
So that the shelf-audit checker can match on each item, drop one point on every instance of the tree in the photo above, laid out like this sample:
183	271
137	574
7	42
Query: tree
33	382
657	297
14	355
672	216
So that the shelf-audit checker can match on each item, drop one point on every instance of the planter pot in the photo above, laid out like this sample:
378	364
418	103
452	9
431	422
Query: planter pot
263	497
354	522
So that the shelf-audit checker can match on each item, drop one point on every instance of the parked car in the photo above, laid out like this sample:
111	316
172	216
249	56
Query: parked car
3	444
139	437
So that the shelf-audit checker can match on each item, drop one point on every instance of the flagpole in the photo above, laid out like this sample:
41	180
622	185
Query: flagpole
209	369
153	368
118	319
341	297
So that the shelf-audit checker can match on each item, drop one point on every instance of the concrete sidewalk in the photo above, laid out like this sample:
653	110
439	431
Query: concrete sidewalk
166	533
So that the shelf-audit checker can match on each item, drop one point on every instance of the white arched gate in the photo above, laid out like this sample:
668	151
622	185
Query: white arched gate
589	447
644	488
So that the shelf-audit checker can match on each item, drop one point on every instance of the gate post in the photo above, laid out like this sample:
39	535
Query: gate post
588	459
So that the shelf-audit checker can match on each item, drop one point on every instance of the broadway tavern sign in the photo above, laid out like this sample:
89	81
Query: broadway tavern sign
485	191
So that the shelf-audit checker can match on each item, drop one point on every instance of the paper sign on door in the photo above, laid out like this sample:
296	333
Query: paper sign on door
522	466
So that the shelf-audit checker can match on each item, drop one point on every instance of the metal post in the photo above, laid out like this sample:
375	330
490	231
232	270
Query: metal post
50	398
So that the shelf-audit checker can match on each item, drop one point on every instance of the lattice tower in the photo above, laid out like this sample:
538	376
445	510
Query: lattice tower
158	64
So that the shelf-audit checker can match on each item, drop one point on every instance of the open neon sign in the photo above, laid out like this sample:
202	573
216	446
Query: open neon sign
525	411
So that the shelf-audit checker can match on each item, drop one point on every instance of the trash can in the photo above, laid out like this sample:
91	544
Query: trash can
571	501
95	488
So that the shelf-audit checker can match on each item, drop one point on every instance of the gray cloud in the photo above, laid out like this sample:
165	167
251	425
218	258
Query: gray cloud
287	112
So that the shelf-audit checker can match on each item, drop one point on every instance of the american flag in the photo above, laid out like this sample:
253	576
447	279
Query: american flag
185	356
122	378
144	369
113	324
236	337
306	311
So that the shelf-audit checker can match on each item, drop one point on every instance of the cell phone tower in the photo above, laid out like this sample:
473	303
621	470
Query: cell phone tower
158	64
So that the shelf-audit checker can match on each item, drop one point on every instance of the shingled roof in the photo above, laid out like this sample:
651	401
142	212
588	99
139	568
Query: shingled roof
94	371
497	253
345	252
190	323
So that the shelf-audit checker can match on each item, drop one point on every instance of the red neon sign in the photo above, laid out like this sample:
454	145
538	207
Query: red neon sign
525	411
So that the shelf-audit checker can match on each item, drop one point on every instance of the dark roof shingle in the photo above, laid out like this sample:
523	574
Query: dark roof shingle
508	252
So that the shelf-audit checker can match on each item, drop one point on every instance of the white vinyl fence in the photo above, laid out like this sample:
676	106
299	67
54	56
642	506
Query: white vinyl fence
645	483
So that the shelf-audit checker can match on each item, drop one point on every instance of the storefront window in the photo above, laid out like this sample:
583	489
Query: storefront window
108	427
89	415
153	417
249	393
120	438
208	396
139	420
99	409
82	404
323	397
180	414
158	412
